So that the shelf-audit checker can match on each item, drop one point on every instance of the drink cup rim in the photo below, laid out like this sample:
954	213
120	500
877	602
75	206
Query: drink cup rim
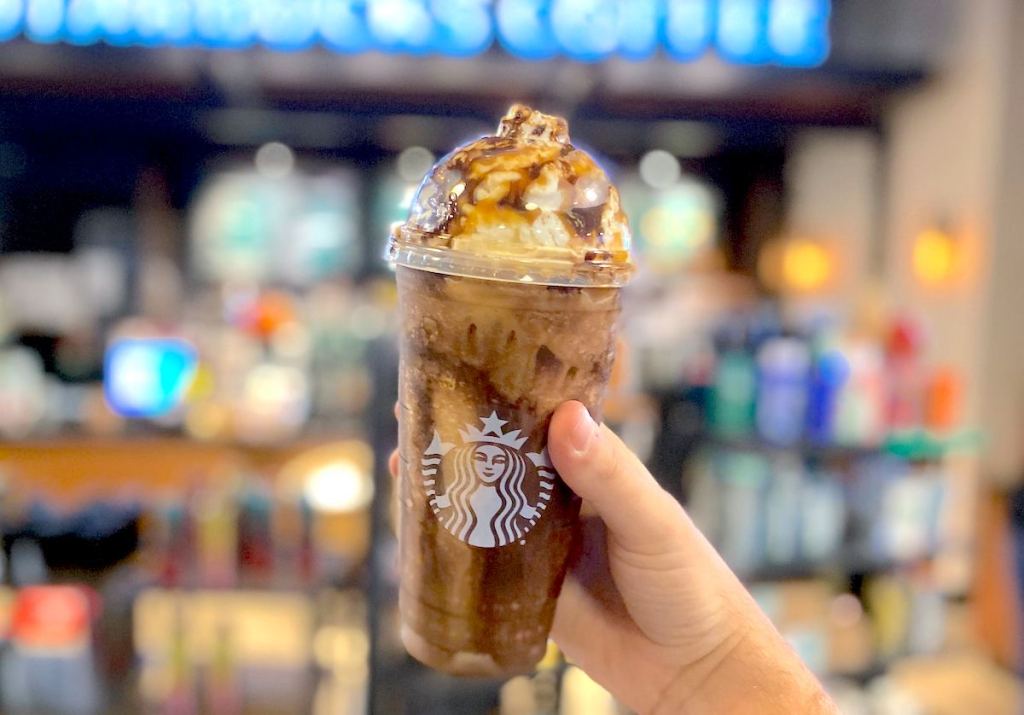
424	251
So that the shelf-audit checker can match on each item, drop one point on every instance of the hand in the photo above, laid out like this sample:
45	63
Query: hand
649	609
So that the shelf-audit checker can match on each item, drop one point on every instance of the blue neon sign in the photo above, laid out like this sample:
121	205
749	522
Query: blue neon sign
785	32
10	18
638	29
688	28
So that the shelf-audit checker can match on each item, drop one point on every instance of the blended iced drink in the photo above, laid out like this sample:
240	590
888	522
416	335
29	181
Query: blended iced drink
509	270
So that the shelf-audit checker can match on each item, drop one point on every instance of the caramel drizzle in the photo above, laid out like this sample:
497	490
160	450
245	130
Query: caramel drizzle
584	223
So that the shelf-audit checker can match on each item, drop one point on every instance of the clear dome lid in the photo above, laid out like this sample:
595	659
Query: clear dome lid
523	205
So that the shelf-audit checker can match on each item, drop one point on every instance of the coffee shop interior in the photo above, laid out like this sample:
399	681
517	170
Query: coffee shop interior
821	354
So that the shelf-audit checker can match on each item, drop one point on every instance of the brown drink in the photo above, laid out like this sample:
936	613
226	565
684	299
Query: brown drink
508	275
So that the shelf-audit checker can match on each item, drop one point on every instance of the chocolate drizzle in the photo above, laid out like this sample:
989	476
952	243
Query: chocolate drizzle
587	221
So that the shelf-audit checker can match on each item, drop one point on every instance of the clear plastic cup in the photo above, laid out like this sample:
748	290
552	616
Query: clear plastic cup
499	325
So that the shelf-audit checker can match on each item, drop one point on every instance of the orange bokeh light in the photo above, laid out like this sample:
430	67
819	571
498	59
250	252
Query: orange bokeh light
807	265
935	257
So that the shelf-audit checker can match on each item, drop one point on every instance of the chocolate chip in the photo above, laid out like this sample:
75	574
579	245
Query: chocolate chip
587	220
547	361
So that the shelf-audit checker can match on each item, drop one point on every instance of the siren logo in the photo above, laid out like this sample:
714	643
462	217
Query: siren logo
485	498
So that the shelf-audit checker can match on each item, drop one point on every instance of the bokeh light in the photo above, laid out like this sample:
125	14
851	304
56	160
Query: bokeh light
338	487
295	227
148	377
414	163
659	169
673	224
335	478
275	160
807	265
935	257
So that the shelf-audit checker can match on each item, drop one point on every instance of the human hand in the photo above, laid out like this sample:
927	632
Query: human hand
649	609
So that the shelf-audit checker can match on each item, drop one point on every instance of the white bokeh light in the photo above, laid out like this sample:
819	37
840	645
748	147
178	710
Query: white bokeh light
339	486
414	163
659	169
275	160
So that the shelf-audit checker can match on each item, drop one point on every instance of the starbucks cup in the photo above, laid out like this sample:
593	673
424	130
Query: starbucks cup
508	270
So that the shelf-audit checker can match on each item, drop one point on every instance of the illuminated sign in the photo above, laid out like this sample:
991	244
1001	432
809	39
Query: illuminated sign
784	32
148	377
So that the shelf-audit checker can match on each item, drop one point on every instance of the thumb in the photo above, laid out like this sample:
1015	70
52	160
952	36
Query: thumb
594	462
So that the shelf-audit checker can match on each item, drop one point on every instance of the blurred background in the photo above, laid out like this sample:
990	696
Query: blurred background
823	352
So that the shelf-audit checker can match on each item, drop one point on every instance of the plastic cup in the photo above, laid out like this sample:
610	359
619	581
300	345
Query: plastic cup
490	346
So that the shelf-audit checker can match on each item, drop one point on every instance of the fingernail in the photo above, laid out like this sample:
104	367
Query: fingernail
583	432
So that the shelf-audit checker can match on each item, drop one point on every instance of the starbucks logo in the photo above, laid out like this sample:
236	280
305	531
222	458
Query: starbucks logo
479	489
